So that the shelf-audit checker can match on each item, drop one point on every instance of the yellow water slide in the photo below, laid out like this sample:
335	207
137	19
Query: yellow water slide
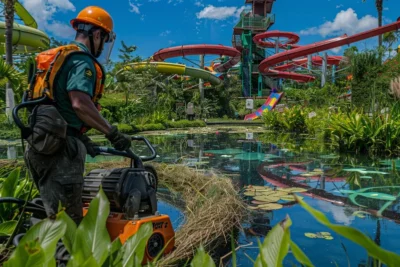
26	38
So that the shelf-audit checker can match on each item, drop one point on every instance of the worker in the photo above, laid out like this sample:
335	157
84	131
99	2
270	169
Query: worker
59	175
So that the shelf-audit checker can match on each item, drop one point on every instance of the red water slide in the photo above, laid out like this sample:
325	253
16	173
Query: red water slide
292	39
189	50
302	51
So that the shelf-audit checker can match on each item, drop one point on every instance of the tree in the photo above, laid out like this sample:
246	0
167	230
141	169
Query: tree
9	20
390	38
126	53
379	8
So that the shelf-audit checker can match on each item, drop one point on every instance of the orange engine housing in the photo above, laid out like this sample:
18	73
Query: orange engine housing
163	232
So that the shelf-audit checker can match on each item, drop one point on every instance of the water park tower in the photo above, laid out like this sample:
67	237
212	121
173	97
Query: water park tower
256	20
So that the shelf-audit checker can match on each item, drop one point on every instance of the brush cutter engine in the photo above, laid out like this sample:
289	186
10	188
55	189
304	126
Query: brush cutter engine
129	190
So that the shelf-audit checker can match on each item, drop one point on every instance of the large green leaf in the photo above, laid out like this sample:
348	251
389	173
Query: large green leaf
387	257
47	233
114	257
135	246
202	259
69	237
91	237
91	262
8	227
276	245
299	255
32	255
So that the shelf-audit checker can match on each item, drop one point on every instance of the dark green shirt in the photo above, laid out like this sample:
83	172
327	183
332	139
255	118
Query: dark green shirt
78	74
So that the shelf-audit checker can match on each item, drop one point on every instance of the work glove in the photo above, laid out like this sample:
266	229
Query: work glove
89	145
119	140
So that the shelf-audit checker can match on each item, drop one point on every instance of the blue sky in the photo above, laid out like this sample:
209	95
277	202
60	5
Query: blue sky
155	24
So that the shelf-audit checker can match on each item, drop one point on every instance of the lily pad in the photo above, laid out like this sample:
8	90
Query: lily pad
310	235
268	199
360	214
297	190
258	187
270	206
324	233
257	202
252	207
226	156
277	193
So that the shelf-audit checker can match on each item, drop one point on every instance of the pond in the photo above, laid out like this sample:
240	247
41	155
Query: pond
348	189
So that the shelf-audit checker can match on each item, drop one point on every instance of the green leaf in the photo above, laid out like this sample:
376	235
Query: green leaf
69	237
91	262
134	247
8	227
276	245
299	255
91	236
32	255
114	257
387	257
202	259
47	233
10	184
8	190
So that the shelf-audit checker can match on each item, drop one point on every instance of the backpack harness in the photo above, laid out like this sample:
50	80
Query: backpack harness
44	71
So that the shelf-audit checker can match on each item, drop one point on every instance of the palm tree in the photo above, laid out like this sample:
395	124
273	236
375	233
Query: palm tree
9	20
379	8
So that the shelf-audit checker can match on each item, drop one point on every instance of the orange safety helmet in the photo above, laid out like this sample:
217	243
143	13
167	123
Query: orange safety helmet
96	16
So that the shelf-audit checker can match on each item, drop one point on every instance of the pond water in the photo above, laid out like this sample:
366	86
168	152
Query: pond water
348	189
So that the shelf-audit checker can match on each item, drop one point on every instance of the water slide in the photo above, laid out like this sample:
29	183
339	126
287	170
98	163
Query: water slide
268	64
189	50
291	43
179	69
26	38
270	104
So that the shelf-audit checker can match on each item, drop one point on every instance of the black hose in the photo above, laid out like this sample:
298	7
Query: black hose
20	202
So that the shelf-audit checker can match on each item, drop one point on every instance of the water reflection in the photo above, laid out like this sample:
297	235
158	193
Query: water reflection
348	189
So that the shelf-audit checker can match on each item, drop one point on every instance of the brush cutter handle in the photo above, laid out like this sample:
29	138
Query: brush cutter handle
129	153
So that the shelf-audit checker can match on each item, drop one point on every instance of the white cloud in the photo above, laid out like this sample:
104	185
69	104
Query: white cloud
165	33
44	12
198	3
171	42
336	49
346	21
219	13
134	8
154	1
339	6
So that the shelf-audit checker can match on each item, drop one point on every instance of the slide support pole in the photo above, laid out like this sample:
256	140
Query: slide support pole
324	67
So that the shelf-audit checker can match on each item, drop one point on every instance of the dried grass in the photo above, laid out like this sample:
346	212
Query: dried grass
213	209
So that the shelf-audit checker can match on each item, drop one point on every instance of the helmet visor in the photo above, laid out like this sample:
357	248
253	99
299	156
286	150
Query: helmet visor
109	41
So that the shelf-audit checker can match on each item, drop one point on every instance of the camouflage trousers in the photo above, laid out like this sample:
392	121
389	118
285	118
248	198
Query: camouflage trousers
59	177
